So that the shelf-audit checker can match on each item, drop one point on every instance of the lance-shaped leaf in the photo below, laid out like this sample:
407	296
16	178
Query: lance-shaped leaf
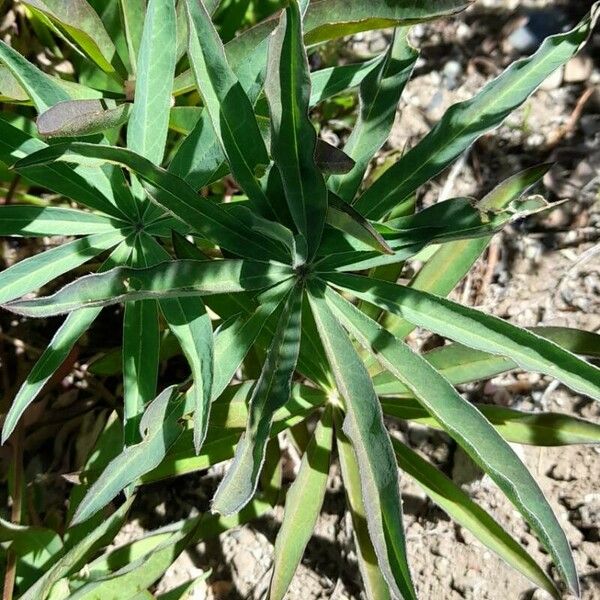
140	356
89	188
188	320
463	123
535	429
465	424
166	280
365	428
34	272
133	26
159	429
293	137
167	191
149	122
57	351
81	551
452	500
459	364
228	106
302	507
10	88
271	392
33	221
81	24
476	330
43	90
75	118
379	95
375	586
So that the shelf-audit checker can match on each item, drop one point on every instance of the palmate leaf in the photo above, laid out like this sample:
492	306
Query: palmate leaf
374	583
450	498
149	122
302	507
536	429
465	122
82	25
59	348
271	392
380	93
476	330
166	280
459	364
293	137
364	426
464	423
36	271
169	192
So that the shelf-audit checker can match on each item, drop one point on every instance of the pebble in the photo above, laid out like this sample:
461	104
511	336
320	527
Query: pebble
578	69
540	24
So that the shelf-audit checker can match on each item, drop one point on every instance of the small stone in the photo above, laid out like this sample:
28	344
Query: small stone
578	69
554	81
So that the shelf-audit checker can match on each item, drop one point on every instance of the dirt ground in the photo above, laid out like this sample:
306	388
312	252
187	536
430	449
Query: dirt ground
542	271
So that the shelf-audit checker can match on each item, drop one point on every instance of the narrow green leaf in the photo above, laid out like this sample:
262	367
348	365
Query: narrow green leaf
271	392
452	500
477	330
34	272
166	280
534	429
159	429
59	348
149	122
170	193
375	586
228	106
465	424
33	221
74	118
463	123
189	322
459	364
104	533
380	92
43	90
365	428
302	507
133	26
11	90
293	136
81	24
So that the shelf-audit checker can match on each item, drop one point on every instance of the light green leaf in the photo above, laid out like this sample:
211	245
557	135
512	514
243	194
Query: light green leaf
166	280
159	429
133	26
476	330
59	348
78	118
463	123
191	325
271	392
81	24
302	507
293	137
518	427
33	221
452	500
465	424
380	92
365	428
149	122
375	586
34	272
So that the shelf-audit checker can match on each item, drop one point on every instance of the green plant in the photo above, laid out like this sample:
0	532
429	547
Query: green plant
278	266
